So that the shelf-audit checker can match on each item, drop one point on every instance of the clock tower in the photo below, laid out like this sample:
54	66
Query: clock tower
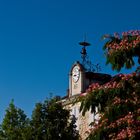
76	79
81	76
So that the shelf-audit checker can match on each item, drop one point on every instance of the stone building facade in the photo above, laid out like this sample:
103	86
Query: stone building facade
79	81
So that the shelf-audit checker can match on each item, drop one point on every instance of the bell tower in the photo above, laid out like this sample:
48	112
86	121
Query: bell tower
81	76
78	80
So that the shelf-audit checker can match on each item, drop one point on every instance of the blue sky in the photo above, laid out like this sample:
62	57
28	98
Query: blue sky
39	43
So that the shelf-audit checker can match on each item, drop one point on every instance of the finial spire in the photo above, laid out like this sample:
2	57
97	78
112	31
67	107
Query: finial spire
85	59
84	44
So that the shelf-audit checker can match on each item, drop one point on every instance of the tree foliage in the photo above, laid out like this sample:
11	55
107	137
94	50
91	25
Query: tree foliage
121	49
120	98
15	124
49	121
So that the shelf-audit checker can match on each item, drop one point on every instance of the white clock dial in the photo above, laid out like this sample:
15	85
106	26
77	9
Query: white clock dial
75	74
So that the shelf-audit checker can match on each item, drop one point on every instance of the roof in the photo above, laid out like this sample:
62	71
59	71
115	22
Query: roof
98	76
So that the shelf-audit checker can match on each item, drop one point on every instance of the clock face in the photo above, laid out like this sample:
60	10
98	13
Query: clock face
75	74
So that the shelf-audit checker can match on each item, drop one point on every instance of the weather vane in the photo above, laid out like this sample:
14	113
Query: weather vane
85	59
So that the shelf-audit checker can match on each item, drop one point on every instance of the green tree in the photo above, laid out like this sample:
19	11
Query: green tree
15	125
120	98
51	122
